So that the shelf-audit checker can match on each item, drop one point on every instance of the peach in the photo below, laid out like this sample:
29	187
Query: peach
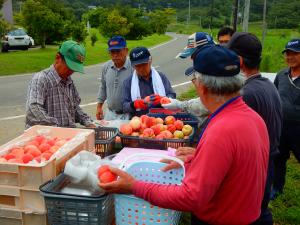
44	147
38	159
168	134
170	120
143	127
165	100
161	126
51	142
178	134
2	160
160	136
27	158
171	128
39	139
60	143
135	124
148	132
54	148
17	151
150	122
46	156
34	152
156	129
9	156
30	147
147	99
187	130
136	134
33	142
178	124
15	161
144	118
126	129
159	121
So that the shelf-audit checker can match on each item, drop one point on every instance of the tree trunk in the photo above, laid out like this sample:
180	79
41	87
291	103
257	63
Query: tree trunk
43	41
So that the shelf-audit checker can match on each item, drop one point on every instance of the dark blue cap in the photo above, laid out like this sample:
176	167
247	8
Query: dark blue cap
116	43
216	61
293	45
139	55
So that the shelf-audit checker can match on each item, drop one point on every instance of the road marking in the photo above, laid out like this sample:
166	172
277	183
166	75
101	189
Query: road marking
157	46
84	105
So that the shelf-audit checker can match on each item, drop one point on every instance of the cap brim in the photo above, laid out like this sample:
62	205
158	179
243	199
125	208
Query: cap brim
75	66
116	48
189	71
187	52
142	61
291	49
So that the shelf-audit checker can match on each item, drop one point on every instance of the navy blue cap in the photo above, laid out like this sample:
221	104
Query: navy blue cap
116	43
293	45
215	60
139	55
195	41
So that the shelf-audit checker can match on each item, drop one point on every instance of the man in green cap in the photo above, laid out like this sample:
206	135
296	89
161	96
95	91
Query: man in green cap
52	98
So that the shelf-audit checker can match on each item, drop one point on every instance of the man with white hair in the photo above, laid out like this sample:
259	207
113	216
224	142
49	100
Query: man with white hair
225	178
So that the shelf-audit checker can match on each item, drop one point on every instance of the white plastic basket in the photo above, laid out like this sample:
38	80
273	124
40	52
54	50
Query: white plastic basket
132	210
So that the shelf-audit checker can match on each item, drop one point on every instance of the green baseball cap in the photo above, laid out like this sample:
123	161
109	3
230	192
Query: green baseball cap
74	55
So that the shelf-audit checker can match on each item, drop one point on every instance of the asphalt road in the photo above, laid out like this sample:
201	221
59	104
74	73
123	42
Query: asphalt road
13	88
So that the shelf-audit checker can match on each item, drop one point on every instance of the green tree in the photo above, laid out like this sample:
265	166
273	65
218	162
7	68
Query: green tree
115	24
40	20
159	20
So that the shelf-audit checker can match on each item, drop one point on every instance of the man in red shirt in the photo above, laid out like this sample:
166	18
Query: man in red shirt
225	178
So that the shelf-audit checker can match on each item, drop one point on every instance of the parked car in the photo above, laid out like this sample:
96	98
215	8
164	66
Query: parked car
17	39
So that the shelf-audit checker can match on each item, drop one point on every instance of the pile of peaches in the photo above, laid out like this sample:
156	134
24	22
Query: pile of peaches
151	127
39	149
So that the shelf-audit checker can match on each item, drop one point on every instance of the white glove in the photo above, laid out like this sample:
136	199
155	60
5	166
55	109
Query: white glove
174	104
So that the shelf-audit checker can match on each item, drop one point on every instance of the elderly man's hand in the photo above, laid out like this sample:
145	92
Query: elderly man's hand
123	185
183	152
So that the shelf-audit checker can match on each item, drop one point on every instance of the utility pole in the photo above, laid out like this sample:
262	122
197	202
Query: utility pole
264	23
246	15
235	14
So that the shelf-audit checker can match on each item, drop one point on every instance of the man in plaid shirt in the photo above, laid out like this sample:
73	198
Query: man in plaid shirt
52	98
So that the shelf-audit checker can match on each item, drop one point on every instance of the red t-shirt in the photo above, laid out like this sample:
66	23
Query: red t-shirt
225	180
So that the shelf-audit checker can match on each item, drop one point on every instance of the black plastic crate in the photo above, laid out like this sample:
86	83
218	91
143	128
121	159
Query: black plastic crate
186	118
105	138
71	209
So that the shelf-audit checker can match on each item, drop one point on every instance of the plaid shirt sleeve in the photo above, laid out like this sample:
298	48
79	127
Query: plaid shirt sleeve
35	111
80	116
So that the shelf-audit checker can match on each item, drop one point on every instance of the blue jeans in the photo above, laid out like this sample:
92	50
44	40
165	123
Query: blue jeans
289	141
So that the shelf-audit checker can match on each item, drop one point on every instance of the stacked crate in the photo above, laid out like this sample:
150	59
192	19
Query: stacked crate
20	199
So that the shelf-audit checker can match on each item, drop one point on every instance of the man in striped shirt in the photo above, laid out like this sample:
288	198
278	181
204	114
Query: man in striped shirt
52	98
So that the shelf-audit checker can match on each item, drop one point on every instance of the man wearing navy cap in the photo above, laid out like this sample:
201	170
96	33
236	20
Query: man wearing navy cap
225	178
114	73
262	96
145	81
287	82
194	106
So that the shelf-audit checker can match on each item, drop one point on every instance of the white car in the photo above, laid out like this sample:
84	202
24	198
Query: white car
16	39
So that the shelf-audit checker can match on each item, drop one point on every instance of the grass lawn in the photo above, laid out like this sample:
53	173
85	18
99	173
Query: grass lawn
274	42
16	62
286	208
